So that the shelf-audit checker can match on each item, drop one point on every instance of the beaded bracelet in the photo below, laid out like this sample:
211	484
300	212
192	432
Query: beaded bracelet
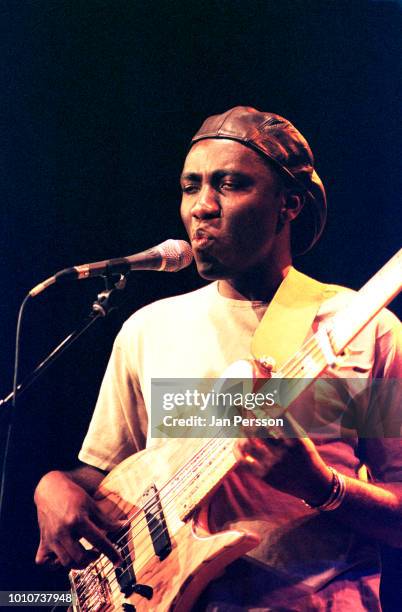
336	495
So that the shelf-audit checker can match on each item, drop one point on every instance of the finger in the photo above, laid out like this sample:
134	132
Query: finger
79	557
62	556
98	539
104	521
253	454
43	555
294	429
46	556
53	563
254	447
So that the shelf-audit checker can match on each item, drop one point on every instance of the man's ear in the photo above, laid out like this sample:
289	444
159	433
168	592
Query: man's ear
294	202
291	207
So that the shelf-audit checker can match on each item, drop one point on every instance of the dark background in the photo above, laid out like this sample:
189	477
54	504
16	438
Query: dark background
98	102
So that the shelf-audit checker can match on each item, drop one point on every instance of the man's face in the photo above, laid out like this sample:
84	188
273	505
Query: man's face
229	206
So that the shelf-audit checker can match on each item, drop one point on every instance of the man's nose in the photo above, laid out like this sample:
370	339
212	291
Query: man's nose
207	204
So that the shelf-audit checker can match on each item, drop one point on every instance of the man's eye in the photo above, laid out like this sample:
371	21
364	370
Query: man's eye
189	188
229	185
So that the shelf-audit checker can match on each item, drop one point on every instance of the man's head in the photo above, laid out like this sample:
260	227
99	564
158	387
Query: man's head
246	177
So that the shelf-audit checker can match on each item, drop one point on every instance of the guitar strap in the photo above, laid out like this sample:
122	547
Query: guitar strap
289	317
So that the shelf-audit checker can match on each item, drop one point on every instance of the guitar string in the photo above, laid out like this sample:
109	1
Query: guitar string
141	561
172	491
140	555
145	526
137	558
205	446
294	365
140	512
178	484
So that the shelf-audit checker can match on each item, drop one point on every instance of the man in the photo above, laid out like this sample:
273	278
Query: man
250	195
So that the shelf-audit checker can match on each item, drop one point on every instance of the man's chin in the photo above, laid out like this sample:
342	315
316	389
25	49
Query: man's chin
211	270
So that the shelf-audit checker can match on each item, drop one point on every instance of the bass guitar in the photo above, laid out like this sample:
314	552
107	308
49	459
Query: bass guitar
169	553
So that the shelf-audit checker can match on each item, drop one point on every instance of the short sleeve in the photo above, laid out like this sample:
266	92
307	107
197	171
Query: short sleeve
119	422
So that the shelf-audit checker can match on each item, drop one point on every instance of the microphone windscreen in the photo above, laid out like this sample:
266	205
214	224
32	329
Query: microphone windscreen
176	255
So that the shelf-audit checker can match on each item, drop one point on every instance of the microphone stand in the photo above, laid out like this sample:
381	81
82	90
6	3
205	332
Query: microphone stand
107	300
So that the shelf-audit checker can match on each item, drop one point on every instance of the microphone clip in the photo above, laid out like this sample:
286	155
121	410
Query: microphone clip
107	300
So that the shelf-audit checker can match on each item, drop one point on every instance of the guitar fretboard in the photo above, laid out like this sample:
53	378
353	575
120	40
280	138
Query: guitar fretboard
374	295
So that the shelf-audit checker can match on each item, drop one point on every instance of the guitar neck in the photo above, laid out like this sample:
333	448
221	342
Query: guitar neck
204	473
379	291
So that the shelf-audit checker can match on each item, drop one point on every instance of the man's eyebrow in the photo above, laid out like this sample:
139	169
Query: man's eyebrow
193	176
190	176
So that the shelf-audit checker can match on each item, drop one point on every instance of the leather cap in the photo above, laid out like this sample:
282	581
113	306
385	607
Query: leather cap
282	144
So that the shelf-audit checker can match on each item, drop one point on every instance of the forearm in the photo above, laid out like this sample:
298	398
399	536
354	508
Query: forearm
295	467
373	510
85	476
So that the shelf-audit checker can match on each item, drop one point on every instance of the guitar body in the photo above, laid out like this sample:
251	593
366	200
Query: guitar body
189	555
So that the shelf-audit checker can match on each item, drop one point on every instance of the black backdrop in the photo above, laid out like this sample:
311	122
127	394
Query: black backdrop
99	100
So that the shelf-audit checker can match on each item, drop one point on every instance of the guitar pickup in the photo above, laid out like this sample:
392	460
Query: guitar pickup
125	573
156	522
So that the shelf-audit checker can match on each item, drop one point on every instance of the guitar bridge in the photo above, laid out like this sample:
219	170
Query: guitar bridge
91	588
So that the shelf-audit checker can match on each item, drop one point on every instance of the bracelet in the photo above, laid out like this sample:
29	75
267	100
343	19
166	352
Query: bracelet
336	496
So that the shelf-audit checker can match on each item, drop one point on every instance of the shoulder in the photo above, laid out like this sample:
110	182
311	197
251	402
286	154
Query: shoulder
177	309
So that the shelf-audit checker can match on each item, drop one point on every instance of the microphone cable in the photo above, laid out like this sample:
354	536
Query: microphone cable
11	414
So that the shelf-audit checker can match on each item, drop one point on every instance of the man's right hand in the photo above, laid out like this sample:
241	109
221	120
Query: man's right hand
67	513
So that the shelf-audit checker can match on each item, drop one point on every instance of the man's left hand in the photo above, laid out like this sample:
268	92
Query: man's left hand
291	465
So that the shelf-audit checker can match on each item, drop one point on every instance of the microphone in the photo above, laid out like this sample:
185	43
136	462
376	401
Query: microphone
169	256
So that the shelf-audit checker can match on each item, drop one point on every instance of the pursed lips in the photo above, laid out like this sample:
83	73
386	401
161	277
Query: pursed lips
201	233
201	239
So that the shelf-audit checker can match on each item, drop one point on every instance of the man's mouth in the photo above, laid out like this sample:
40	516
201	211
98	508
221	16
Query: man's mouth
201	239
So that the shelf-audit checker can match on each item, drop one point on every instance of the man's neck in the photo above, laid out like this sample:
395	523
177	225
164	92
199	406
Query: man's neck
258	285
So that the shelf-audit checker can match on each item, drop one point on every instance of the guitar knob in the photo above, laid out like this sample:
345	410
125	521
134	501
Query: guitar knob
144	590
